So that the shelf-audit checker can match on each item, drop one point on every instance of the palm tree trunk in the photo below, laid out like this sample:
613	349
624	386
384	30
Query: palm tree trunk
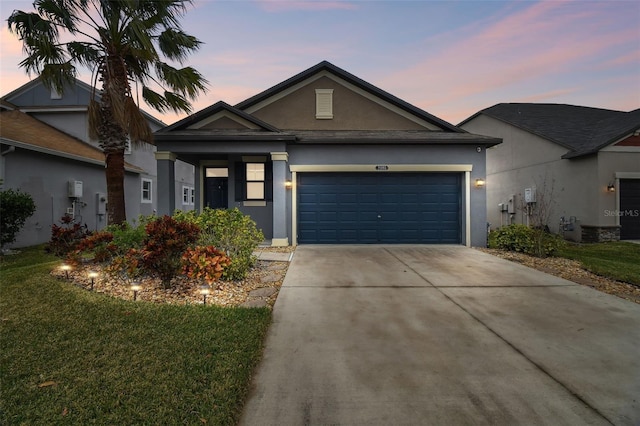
116	213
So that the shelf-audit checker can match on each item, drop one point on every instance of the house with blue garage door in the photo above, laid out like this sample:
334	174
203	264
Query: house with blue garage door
326	158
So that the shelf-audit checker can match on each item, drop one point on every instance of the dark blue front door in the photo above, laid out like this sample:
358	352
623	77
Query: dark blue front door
388	208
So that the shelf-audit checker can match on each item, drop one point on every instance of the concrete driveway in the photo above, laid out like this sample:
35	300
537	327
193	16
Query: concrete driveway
442	335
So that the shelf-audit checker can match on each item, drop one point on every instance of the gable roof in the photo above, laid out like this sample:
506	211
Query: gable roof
22	130
356	81
582	130
78	83
216	108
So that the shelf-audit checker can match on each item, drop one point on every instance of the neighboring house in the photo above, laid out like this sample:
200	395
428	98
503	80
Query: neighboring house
325	157
67	112
588	157
47	164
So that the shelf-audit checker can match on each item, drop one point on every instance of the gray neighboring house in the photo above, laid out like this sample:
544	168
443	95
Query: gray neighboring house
325	157
47	164
67	112
589	156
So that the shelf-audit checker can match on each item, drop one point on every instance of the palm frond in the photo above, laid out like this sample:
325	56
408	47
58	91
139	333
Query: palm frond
176	45
60	12
137	128
186	81
95	118
154	99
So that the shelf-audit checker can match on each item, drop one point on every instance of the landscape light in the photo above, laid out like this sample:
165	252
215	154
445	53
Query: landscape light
66	268
93	275
204	291
135	287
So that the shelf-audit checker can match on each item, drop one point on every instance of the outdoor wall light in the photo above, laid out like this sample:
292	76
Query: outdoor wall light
66	268
204	291
135	287
288	184
611	188
480	183
93	275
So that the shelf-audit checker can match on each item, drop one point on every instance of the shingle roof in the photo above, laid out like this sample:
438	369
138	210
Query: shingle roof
582	130
21	129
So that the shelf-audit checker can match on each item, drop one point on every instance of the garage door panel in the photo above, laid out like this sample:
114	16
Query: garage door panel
379	208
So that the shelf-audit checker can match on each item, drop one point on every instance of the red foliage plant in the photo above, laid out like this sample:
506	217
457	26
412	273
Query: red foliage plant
204	263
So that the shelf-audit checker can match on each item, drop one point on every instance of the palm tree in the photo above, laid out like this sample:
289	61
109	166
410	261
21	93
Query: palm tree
126	44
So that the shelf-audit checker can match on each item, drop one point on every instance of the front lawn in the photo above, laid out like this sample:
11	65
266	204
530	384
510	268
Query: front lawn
70	356
616	260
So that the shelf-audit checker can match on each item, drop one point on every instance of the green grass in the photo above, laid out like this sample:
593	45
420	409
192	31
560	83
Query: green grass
616	260
115	361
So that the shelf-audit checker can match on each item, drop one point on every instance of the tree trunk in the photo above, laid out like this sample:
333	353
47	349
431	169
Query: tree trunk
114	171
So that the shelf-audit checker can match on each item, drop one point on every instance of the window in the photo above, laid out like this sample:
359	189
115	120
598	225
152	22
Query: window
255	181
146	190
324	104
127	146
188	195
185	195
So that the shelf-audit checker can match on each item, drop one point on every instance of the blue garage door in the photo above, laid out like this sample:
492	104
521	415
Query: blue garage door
388	208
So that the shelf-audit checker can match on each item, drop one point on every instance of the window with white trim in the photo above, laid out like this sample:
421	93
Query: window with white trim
127	146
192	196
255	181
147	187
185	195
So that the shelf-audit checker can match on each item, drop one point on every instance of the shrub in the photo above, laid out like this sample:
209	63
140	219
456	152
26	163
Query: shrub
100	244
523	239
66	237
126	236
15	208
230	231
127	267
204	263
165	241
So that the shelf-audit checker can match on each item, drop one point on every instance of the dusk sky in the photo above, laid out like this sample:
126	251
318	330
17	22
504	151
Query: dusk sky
448	58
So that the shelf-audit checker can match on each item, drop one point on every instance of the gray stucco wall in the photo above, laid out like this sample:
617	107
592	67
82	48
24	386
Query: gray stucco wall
46	178
576	187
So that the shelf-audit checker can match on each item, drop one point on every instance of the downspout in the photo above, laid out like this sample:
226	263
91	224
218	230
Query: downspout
7	151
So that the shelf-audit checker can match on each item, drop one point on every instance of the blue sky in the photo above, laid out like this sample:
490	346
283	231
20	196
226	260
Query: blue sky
448	58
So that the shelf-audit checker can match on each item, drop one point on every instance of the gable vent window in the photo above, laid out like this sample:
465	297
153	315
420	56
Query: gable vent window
55	95
324	104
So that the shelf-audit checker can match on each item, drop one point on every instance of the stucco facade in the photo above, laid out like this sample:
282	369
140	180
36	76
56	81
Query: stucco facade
327	123
580	190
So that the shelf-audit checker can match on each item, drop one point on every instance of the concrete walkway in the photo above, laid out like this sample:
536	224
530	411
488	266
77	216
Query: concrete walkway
442	335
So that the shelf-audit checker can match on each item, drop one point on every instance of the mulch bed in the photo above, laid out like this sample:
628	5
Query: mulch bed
571	270
264	274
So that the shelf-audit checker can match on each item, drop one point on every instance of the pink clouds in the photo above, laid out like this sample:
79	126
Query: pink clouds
538	43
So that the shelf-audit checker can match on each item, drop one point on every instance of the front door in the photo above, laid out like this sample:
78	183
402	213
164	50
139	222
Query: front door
216	193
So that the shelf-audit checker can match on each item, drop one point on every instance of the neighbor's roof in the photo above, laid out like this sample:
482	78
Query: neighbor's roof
582	130
24	131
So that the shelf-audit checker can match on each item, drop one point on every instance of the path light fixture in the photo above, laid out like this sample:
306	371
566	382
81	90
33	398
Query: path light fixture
93	275
480	183
135	287
204	291
66	268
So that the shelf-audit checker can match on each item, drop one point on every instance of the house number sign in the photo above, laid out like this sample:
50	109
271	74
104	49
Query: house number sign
382	168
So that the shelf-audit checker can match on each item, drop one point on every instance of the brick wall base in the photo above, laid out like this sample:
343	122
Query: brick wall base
600	234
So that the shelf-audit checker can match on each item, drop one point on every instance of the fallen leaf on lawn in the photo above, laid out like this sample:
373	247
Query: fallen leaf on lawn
47	384
203	420
65	411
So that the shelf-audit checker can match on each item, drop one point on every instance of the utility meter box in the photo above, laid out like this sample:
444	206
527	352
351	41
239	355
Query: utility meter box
101	203
530	195
75	189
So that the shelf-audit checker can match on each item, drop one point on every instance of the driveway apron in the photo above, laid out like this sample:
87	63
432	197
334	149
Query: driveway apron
442	335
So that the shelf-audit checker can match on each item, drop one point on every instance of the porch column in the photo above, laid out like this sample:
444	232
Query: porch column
166	190
280	237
